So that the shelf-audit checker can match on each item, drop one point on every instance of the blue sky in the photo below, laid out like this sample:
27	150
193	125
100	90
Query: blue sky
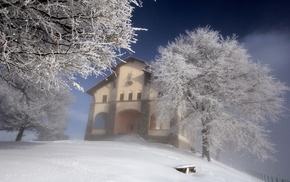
263	26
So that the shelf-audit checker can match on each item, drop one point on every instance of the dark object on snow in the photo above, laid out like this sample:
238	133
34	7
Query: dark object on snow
187	169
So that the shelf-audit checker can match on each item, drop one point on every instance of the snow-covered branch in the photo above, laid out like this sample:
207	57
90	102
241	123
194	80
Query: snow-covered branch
42	40
30	108
212	85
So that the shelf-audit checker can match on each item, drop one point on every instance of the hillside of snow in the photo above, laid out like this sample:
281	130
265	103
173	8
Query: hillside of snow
120	159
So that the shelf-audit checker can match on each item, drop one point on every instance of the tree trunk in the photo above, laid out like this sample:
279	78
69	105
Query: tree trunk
205	146
205	141
20	134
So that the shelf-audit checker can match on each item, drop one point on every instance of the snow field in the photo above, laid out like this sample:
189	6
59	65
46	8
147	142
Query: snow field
125	159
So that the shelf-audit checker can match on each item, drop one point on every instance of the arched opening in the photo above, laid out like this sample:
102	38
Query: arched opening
100	121
154	124
127	122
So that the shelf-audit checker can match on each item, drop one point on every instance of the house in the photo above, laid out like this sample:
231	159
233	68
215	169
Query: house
123	104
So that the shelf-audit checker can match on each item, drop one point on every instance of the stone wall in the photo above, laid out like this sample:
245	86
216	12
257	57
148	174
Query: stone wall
144	119
111	120
90	122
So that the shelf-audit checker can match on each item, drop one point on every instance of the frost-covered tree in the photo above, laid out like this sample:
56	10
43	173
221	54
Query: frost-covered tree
35	110
210	83
43	40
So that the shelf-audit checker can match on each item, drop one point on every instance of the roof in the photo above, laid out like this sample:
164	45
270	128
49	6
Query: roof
111	77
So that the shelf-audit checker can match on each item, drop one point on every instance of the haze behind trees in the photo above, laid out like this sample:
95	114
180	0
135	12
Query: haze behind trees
30	109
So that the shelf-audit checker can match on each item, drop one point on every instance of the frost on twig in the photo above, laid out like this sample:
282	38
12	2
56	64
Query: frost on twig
210	84
40	41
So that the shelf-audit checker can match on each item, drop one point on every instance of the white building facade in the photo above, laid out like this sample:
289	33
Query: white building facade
123	104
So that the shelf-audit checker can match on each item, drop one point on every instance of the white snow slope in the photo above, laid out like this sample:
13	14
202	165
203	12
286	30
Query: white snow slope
125	158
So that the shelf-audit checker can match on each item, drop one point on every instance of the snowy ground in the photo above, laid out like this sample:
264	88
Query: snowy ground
126	158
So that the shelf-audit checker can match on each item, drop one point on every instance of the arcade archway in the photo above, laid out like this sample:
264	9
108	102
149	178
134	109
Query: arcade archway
127	122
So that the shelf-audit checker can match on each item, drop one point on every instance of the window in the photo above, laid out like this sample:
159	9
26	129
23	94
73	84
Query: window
104	98
130	96
121	96
139	96
130	80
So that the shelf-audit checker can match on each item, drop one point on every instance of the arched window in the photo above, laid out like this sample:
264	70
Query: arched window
130	95
121	96
100	120
139	95
105	98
